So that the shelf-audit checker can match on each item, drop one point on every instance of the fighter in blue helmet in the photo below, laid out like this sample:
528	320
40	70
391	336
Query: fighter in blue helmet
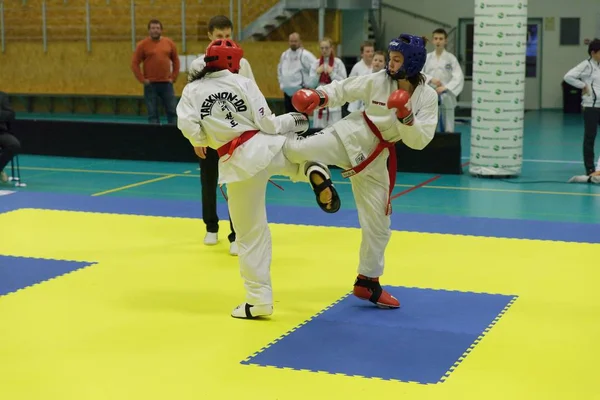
398	106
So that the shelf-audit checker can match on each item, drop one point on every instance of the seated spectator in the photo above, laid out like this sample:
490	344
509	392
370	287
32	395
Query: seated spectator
9	145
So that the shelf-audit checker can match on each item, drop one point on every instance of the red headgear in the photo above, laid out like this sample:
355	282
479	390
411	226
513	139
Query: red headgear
223	54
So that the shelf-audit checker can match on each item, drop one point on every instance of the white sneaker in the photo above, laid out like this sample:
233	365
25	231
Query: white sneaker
233	249
585	179
211	238
247	311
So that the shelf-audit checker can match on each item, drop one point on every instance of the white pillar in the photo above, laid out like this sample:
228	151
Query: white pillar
499	47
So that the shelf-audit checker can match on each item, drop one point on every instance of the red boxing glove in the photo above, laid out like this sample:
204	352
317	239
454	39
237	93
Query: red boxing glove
307	100
398	100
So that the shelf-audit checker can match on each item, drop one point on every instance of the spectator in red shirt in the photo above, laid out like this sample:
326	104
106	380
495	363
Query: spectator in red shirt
161	68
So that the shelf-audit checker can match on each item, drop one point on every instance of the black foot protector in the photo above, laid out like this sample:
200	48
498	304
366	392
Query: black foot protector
323	172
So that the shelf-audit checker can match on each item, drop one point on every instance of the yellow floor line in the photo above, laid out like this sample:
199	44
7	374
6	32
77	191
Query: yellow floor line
97	171
162	178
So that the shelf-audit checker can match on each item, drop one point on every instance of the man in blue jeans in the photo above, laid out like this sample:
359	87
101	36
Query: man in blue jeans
161	68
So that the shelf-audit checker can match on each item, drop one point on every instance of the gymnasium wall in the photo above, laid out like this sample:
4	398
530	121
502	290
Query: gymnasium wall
556	59
66	67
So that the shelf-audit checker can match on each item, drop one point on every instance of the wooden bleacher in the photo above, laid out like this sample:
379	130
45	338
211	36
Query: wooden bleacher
111	19
69	78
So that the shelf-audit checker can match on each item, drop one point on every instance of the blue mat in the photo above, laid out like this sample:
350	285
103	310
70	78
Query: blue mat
420	342
428	223
20	272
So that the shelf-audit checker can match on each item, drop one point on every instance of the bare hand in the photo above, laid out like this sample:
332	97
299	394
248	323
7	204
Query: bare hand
146	82
436	81
328	69
319	69
585	90
200	152
440	89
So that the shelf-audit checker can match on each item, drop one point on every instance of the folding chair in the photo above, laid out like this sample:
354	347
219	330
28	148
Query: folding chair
15	172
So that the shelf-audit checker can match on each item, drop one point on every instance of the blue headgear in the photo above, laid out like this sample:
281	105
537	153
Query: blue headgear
414	52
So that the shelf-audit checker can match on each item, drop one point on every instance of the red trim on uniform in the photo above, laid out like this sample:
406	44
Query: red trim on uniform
229	147
392	167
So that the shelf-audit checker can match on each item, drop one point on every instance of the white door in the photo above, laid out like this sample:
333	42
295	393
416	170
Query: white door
533	70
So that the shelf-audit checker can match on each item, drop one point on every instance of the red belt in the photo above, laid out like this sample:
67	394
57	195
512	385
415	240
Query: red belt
229	147
383	144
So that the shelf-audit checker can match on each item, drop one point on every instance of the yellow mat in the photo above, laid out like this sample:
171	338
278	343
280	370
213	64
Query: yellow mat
150	320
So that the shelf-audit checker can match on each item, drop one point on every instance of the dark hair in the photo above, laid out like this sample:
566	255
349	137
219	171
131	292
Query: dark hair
416	80
154	21
594	46
441	31
219	22
367	43
197	75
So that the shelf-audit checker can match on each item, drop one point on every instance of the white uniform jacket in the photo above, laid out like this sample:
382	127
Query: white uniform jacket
447	69
360	68
374	90
293	70
586	73
245	69
220	107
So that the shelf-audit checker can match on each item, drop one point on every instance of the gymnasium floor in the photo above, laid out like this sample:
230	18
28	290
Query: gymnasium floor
107	292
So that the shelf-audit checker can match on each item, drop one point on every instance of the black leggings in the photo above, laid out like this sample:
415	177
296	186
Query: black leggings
591	120
209	177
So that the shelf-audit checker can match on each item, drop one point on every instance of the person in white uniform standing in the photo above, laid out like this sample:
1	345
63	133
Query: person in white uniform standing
363	67
325	70
227	112
377	65
586	76
293	70
378	62
443	72
398	106
219	27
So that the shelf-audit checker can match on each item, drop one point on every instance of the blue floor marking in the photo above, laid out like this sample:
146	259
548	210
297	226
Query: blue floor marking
420	342
426	223
20	272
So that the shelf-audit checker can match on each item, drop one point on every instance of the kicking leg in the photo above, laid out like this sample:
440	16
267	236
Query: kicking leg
371	191
315	153
247	210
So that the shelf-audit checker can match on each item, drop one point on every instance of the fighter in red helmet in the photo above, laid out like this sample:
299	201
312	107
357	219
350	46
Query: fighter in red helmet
225	111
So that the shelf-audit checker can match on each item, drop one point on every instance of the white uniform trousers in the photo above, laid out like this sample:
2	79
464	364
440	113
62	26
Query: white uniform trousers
247	209
370	188
448	105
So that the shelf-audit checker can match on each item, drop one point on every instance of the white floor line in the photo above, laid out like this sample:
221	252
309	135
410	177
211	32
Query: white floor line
542	161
